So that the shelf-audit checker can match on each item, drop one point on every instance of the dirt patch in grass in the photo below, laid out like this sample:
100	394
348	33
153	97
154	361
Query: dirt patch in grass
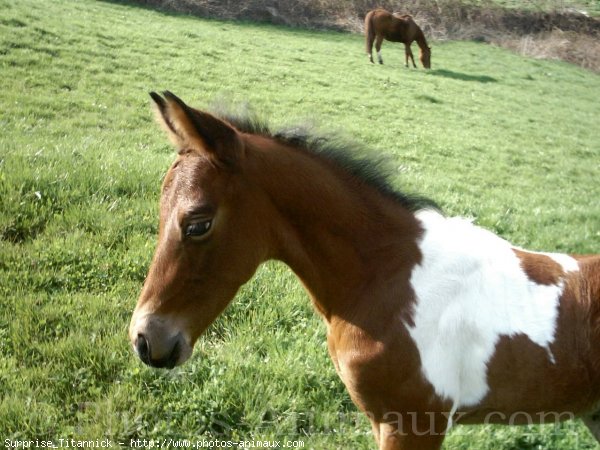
552	31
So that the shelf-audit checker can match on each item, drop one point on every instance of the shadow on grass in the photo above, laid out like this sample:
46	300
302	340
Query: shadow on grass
429	99
462	76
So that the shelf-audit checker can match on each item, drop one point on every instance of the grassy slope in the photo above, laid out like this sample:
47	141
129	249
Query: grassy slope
506	140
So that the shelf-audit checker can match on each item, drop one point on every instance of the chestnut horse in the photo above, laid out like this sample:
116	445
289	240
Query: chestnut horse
381	24
430	320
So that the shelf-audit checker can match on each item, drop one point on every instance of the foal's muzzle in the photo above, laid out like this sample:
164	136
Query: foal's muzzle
157	343
168	361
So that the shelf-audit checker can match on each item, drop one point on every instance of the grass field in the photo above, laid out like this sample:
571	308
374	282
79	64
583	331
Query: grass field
511	142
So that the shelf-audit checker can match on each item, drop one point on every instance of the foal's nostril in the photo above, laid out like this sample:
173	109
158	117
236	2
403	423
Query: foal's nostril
169	361
142	348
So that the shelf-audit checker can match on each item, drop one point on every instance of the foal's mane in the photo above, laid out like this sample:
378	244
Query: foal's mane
350	157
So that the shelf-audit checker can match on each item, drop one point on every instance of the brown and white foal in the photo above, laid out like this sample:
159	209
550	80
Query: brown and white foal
431	320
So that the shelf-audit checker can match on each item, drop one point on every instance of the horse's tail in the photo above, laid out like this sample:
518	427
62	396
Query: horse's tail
369	32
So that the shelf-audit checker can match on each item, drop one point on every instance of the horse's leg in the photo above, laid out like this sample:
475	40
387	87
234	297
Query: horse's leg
370	47
392	439
409	54
378	43
592	421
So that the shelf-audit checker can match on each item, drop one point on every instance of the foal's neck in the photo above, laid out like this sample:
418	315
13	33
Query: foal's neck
344	238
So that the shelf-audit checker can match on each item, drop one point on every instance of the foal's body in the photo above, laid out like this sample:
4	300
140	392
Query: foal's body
427	317
381	24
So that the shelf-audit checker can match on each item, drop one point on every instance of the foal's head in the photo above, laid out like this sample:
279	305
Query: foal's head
210	240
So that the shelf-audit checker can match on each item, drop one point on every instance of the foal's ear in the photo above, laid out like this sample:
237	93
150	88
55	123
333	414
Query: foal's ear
190	129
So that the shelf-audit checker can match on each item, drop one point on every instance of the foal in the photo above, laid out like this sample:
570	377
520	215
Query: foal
381	24
430	320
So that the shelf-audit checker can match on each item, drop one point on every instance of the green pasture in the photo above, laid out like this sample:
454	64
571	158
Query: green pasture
508	141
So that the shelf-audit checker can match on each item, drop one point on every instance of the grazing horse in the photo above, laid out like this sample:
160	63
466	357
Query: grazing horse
431	320
381	24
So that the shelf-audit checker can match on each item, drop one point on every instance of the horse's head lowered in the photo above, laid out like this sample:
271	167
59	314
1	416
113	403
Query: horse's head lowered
425	56
210	241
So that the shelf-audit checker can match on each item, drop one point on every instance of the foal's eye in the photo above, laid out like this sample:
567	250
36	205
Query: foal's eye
198	229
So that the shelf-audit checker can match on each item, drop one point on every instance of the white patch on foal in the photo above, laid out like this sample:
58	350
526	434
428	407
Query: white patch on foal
471	290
